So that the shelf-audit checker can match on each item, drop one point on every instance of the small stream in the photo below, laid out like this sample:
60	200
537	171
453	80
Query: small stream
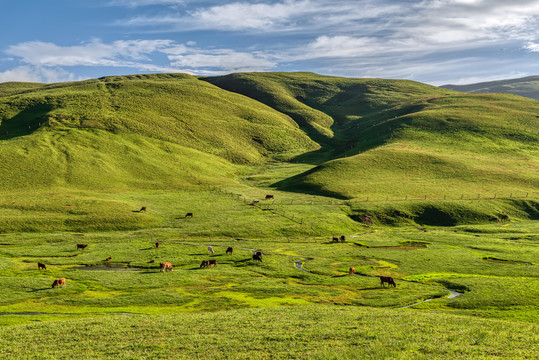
453	294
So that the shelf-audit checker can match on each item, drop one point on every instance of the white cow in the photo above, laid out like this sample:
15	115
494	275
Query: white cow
210	250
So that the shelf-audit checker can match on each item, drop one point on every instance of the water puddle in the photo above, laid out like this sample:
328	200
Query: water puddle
107	267
299	264
452	295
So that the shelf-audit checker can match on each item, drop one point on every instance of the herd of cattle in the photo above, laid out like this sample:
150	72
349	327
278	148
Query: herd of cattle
257	256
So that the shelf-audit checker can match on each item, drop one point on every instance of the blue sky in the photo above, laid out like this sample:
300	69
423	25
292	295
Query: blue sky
432	41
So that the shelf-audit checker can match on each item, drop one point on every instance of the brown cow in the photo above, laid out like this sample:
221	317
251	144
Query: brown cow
41	266
108	259
205	264
82	246
387	279
166	266
229	250
157	244
269	197
59	282
212	262
190	215
142	209
352	271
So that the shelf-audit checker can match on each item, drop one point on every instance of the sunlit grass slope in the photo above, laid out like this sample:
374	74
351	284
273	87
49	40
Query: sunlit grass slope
526	86
369	137
457	145
392	138
334	110
179	109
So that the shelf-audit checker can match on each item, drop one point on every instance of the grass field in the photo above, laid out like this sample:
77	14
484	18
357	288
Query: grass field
273	308
434	188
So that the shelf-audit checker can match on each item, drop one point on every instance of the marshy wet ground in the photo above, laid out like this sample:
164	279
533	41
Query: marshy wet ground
107	267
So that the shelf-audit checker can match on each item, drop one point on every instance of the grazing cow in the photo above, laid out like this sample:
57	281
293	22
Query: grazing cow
210	250
142	209
41	266
166	266
255	202
59	282
257	257
229	250
342	238
205	264
151	261
212	262
352	271
82	246
335	239
157	244
269	197
387	279
108	259
189	215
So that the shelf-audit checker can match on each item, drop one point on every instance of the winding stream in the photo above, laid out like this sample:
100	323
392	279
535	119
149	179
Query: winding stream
453	294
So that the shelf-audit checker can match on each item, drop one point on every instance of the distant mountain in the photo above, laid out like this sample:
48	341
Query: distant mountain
526	86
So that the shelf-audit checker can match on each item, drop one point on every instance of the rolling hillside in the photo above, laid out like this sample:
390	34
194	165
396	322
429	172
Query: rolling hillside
364	137
391	138
131	131
527	86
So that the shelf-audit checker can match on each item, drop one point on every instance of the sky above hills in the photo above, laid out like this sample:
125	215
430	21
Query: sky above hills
432	41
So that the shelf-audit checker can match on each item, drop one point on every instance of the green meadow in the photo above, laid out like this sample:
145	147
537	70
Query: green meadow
434	188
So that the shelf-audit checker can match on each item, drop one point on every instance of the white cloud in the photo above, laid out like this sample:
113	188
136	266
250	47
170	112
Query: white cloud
260	16
29	73
265	16
44	61
94	53
531	46
223	60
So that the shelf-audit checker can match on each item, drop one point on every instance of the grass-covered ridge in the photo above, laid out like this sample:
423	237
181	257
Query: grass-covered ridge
178	109
412	139
526	86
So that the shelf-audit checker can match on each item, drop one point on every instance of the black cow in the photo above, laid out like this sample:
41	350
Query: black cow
387	279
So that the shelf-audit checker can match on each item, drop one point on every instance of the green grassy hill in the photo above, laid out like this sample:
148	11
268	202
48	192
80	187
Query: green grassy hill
527	86
300	133
128	130
394	138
